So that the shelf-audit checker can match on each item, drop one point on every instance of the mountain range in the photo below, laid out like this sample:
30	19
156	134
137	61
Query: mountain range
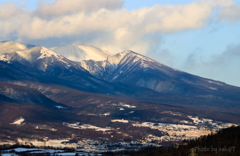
125	74
40	64
45	88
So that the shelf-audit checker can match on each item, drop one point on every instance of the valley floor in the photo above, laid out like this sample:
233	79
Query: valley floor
172	133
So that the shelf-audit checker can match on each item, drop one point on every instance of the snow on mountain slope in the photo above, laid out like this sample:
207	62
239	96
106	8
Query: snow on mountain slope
113	61
78	53
126	58
34	59
37	53
37	56
11	49
135	69
123	56
10	46
40	63
118	71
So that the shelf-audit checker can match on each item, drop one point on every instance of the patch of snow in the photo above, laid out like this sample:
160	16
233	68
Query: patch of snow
161	125
24	149
18	121
127	106
48	53
118	120
172	113
207	120
86	126
61	107
107	114
226	125
39	151
5	58
185	122
212	88
214	82
144	65
115	77
196	120
9	154
47	151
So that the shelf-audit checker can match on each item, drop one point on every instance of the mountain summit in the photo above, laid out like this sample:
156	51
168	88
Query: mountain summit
36	63
134	69
78	53
107	69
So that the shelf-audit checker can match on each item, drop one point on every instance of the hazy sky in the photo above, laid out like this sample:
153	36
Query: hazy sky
200	37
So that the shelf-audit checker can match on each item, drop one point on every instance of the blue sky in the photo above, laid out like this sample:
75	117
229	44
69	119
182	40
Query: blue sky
201	37
129	4
135	4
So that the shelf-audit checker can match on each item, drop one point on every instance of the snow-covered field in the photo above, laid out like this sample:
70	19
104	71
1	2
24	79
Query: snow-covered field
51	143
193	129
118	120
13	152
86	126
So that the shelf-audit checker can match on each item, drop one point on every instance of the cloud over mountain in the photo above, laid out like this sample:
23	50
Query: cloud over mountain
63	7
223	67
106	24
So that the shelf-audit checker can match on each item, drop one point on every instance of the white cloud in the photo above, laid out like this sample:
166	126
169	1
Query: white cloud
105	24
65	7
231	13
223	67
9	10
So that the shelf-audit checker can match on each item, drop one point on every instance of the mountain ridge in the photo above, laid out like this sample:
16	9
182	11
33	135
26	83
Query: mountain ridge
114	75
45	64
119	67
20	94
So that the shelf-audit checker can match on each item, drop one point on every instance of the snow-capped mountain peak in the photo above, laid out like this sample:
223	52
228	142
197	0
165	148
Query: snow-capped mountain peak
116	66
10	46
78	53
37	56
128	56
12	50
44	52
115	59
